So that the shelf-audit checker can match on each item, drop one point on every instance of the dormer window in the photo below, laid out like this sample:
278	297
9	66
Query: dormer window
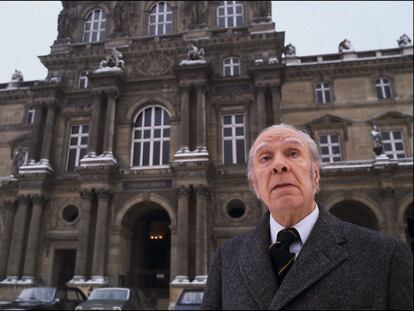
95	26
160	19
83	80
230	14
231	67
383	87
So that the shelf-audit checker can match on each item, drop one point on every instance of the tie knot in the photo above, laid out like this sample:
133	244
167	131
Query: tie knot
288	236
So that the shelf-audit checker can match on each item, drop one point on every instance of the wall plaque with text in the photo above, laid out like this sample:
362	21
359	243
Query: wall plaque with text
163	184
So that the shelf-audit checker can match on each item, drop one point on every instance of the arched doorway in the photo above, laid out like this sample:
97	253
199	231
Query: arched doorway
356	213
150	249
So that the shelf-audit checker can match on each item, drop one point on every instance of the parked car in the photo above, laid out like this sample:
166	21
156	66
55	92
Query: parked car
116	298
46	298
190	299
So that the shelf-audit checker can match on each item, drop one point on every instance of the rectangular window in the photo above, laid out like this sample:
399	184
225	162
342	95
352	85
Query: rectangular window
393	144
323	93
233	139
330	148
30	115
78	144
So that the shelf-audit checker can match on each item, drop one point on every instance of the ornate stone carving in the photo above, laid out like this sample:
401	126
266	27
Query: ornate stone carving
345	46
376	137
23	199
202	190
38	199
195	14
404	40
290	50
183	191
86	194
112	61
120	18
104	193
154	64
66	22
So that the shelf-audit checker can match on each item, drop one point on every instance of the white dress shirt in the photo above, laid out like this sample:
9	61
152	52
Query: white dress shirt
304	228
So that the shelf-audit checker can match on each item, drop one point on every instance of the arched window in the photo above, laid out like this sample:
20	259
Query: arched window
83	80
383	87
231	67
95	26
230	14
160	19
151	137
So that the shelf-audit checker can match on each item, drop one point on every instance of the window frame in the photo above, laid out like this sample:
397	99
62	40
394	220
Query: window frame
78	147
232	65
152	127
380	85
155	12
88	34
320	87
30	115
83	78
234	137
330	145
392	141
226	17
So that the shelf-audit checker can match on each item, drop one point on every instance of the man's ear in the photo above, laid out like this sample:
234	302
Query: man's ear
317	176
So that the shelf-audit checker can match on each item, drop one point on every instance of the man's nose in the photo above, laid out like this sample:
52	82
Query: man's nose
279	166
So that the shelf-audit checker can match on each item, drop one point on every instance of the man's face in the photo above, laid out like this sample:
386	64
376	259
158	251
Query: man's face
283	174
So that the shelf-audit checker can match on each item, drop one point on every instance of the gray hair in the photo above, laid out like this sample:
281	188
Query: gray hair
313	149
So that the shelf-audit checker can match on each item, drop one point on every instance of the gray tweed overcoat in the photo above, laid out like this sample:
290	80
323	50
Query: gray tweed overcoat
341	266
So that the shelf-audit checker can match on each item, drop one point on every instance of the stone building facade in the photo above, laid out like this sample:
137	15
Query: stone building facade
126	165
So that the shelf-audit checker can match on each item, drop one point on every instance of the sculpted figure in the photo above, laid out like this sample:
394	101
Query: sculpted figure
290	50
376	137
345	46
17	76
194	53
404	40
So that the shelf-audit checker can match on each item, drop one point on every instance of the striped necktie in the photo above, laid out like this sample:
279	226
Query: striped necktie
282	258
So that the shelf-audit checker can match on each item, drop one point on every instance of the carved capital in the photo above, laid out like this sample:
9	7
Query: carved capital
104	193
183	191
23	199
202	190
388	192
184	88
86	194
111	93
38	199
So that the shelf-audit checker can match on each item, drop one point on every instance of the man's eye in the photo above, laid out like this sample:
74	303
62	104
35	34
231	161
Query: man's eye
293	153
264	158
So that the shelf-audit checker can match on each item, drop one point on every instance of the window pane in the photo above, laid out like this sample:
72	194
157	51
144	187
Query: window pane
226	119
138	122
324	139
239	20
319	97
324	150
239	131
147	118
165	152
84	140
146	154
157	133
337	159
71	160
221	22
240	151
227	132
229	11
221	11
166	133
147	133
152	30
82	153
137	134
396	134
230	22
387	92
400	155
239	119
166	118
73	141
327	96
169	17
387	147
158	112
236	70
156	153
379	93
385	135
75	129
335	150
152	19
227	71
334	138
94	37
399	146
85	129
325	160
228	152
137	151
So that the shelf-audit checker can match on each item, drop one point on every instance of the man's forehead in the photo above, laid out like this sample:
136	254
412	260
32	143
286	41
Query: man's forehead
284	136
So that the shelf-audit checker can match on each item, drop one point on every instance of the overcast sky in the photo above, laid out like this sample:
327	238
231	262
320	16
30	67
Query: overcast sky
28	29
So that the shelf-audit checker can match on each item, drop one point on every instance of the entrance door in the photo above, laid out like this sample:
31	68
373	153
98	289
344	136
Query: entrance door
63	266
150	253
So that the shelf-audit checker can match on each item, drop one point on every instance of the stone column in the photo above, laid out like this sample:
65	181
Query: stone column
182	235
261	107
100	245
185	117
201	235
391	210
110	123
83	236
10	207
201	119
32	254
94	125
276	104
17	248
47	134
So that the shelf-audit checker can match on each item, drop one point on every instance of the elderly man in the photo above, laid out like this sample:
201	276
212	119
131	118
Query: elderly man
300	256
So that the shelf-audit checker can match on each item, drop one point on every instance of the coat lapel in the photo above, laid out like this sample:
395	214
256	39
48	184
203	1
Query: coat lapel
321	253
255	266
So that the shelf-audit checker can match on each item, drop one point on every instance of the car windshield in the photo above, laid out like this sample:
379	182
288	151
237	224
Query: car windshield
109	294
191	298
36	294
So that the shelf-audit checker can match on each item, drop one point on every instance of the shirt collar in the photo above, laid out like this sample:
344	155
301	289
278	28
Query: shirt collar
304	227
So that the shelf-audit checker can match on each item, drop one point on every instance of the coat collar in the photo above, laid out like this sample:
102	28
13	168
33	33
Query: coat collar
322	252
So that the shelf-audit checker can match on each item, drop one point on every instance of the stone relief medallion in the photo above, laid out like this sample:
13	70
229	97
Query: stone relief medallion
154	64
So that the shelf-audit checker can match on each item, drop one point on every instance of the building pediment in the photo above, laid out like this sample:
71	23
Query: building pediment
328	122
392	118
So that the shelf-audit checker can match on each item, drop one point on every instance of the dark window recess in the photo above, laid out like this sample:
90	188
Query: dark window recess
236	209
70	213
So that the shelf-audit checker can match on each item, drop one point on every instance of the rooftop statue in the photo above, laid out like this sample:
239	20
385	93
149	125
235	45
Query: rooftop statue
194	53
376	137
404	40
345	46
17	76
290	50
112	62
